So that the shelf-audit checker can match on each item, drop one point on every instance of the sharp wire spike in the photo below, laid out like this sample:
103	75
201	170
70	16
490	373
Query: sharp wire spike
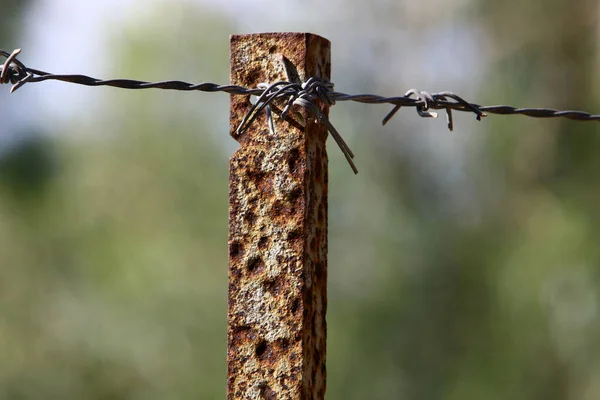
4	77
270	120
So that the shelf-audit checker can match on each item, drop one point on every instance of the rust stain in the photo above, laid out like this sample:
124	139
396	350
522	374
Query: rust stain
277	231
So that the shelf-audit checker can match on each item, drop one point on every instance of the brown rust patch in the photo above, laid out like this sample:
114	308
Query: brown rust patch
277	231
263	242
255	264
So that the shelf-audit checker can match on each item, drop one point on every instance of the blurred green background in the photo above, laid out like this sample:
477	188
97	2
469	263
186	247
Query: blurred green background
462	265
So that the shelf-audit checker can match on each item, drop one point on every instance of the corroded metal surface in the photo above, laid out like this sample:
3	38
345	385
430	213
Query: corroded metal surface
277	229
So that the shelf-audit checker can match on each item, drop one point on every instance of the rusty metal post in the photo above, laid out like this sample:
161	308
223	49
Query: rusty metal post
277	229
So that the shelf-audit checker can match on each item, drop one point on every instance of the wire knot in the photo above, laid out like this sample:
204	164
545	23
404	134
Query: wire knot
14	71
300	94
425	101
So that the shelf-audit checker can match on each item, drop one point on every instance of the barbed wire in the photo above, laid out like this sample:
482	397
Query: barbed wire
301	94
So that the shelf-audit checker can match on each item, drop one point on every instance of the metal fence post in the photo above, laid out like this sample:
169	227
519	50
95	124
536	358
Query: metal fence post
277	228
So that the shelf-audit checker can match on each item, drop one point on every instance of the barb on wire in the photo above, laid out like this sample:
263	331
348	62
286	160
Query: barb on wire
304	95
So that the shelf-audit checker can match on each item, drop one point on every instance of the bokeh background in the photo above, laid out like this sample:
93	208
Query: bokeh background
463	265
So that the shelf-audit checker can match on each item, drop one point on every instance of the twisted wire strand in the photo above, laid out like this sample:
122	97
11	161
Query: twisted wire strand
304	95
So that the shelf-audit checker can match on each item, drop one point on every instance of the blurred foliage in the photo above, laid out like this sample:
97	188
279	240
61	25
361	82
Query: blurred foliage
27	167
13	12
473	278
